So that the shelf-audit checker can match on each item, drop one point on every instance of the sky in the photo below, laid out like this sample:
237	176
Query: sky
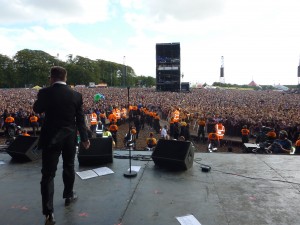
258	39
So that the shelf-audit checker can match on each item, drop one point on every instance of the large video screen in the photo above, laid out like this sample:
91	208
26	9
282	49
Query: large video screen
168	53
168	67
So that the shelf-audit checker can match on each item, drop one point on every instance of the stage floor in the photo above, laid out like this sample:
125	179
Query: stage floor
240	189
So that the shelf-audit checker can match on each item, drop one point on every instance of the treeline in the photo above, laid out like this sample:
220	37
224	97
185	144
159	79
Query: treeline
31	67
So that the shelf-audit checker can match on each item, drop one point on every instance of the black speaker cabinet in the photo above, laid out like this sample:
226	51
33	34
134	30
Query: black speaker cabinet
172	154
24	148
100	152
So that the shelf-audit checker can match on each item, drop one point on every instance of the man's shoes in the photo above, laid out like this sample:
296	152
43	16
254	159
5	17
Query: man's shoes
50	219
70	200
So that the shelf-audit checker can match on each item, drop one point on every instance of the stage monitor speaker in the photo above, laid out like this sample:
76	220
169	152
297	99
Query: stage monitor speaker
24	148
100	152
172	154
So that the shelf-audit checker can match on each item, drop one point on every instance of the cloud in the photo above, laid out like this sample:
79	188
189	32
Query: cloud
172	16
184	10
53	41
54	12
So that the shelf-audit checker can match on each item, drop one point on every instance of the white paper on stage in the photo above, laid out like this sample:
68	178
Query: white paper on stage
2	163
135	168
87	174
103	171
188	220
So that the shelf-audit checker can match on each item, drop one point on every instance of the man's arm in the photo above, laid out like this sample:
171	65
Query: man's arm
39	104
80	122
279	146
288	147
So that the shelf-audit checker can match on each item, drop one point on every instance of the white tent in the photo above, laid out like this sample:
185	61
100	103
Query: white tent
281	87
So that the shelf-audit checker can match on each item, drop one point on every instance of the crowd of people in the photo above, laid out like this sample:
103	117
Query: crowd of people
234	108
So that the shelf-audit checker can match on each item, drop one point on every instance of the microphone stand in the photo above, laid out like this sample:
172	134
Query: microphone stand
129	173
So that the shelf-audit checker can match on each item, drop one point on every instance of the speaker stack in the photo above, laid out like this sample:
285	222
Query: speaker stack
24	148
173	154
100	152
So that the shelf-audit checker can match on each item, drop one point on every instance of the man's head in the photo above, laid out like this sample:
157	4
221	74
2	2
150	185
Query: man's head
58	73
283	134
133	130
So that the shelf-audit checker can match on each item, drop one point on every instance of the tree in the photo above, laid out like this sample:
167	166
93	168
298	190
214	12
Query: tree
7	72
32	67
146	81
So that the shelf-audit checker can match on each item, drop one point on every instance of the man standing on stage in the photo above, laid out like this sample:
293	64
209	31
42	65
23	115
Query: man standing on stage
63	117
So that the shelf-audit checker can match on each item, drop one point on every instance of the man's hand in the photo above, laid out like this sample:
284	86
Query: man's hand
86	144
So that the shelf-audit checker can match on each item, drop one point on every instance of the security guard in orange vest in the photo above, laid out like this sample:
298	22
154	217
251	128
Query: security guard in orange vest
123	115
151	141
113	128
245	134
8	120
214	138
220	129
112	118
117	112
93	122
176	115
201	129
33	120
102	117
156	123
271	135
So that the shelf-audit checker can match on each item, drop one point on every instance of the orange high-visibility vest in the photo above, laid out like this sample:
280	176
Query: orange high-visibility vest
9	119
113	128
118	114
94	119
213	136
176	116
201	123
220	129
245	132
33	119
112	118
271	134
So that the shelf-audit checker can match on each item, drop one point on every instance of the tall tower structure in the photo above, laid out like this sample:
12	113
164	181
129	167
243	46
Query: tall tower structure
222	78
